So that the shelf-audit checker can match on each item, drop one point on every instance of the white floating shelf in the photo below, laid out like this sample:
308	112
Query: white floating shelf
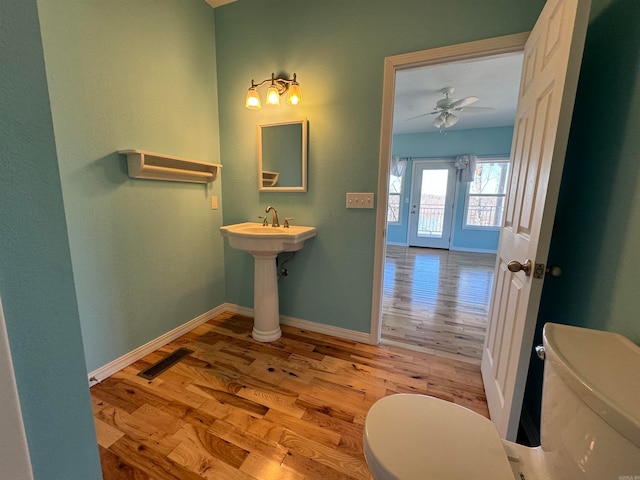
269	179
157	166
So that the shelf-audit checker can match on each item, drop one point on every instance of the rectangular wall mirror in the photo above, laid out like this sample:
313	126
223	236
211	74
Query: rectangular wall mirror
282	156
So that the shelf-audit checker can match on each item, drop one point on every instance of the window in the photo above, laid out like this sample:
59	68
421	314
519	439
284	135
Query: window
486	194
395	195
396	181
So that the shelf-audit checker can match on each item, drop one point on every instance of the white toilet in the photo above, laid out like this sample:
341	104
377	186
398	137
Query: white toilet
590	422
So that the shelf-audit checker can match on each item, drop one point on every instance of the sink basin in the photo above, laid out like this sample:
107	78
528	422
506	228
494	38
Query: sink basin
265	243
258	239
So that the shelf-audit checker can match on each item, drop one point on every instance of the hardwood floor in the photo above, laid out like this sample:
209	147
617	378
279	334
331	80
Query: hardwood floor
437	301
240	409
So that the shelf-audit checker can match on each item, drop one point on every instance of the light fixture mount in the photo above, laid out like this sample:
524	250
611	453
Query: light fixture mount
278	86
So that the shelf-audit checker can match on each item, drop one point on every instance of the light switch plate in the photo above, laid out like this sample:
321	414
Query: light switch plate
359	200
214	203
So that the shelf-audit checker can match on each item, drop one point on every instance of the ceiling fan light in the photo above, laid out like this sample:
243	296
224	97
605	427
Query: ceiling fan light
450	120
439	121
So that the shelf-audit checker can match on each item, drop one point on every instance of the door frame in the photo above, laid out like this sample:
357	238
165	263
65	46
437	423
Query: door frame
451	196
463	51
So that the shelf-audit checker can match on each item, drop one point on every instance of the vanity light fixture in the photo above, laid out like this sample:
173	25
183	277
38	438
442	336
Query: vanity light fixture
277	87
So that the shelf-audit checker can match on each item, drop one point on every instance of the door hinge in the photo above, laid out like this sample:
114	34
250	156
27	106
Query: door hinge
539	270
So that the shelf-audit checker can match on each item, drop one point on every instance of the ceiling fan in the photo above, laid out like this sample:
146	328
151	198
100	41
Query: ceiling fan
446	106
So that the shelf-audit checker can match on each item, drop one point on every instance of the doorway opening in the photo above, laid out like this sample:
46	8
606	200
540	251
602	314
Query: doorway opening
442	309
434	294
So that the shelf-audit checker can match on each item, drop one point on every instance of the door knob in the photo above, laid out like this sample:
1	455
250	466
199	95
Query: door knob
515	266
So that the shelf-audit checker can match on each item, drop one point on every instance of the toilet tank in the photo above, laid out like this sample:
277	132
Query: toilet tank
590	404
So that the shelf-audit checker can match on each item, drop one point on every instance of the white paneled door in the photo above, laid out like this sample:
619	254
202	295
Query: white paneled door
550	70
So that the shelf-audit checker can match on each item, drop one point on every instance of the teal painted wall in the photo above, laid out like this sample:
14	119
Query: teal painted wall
36	280
449	144
146	254
596	237
597	231
337	49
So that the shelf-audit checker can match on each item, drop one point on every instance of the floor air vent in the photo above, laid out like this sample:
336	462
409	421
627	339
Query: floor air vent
157	368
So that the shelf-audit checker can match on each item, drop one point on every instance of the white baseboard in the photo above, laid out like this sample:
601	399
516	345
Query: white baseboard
118	364
475	250
339	332
457	249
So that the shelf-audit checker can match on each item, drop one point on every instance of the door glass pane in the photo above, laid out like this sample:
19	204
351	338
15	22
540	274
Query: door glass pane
433	194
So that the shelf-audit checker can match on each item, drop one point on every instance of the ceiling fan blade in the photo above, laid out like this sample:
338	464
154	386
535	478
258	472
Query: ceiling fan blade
463	102
423	115
475	109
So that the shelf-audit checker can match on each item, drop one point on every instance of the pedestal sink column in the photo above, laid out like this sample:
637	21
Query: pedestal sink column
266	326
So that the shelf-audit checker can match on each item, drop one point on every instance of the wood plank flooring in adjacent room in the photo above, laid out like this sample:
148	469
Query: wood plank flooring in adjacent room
240	409
437	301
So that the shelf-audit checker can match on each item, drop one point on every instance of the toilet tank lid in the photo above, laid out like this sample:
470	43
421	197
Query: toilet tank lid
605	367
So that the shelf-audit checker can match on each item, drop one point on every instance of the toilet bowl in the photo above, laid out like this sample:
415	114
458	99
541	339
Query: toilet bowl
590	426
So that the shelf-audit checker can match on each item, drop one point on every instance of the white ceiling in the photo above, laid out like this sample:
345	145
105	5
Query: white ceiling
494	80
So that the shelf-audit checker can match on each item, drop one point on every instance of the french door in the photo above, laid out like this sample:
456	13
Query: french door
432	194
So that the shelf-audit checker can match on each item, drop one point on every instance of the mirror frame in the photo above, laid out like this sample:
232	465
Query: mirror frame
303	187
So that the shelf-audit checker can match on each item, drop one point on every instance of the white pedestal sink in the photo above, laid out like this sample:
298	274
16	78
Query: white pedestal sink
265	243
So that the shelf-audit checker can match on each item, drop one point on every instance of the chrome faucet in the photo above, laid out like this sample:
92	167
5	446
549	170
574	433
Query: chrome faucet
275	222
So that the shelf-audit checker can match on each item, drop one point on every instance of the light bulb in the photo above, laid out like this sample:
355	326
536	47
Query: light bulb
273	97
295	95
253	99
